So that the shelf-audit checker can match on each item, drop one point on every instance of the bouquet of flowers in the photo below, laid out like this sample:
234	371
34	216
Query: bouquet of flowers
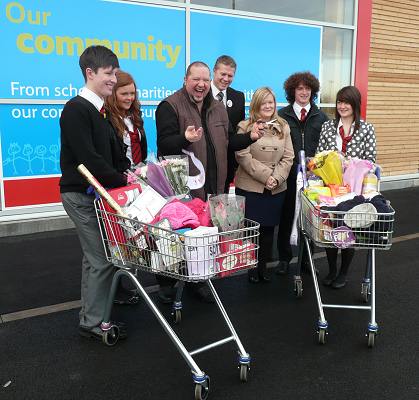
158	181
137	175
176	169
152	175
327	165
227	211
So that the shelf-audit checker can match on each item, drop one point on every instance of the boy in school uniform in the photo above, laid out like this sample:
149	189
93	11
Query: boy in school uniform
88	138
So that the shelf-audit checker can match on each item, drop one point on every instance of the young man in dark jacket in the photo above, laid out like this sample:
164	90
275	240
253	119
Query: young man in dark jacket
88	138
305	121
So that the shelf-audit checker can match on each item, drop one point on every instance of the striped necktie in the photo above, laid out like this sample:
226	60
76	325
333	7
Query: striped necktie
135	146
303	114
103	111
345	139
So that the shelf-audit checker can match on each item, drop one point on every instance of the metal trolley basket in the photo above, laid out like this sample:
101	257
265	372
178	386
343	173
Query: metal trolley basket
132	246
371	231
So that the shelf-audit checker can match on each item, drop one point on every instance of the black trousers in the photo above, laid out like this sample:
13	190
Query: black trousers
266	234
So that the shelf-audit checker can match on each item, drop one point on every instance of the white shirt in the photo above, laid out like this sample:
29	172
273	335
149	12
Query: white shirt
92	97
297	109
339	142
215	91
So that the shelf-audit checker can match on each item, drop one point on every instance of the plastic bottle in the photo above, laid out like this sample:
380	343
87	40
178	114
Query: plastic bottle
302	167
370	183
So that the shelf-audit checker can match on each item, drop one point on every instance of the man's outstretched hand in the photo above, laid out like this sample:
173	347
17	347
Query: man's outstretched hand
192	134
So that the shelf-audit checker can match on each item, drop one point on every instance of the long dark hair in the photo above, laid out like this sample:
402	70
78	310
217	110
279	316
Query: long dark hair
116	114
352	96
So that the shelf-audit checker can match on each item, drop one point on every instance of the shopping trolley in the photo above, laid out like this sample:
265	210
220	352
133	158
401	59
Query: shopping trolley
132	245
368	230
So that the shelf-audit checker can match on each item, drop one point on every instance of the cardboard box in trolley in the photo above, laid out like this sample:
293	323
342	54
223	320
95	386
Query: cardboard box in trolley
201	250
235	255
112	222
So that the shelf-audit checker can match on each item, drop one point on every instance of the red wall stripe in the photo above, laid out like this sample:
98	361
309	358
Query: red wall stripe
363	51
27	192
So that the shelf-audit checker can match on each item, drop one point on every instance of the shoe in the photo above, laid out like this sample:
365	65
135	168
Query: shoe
131	298
339	282
328	280
204	295
282	268
253	279
265	279
97	333
164	296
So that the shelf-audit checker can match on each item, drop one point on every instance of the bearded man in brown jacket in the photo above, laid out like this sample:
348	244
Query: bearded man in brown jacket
193	120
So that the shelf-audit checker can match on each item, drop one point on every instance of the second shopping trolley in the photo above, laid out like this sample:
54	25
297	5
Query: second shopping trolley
368	229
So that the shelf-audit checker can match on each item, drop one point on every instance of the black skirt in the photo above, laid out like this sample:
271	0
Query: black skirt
264	208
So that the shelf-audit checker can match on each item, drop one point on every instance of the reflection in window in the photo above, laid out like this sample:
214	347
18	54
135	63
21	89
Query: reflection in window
215	3
336	62
329	111
336	59
336	11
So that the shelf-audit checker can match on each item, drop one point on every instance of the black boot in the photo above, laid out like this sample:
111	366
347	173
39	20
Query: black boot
332	255
347	257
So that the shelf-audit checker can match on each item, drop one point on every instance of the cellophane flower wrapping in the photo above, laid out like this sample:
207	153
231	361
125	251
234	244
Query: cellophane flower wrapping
156	178
227	211
176	169
327	165
138	174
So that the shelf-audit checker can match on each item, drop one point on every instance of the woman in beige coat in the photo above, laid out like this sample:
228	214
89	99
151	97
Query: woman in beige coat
263	170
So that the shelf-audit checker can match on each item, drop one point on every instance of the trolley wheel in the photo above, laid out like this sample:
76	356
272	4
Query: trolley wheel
298	288
177	316
322	335
111	336
365	292
371	339
244	372
202	390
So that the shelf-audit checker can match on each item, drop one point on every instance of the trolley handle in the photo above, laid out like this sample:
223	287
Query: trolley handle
101	190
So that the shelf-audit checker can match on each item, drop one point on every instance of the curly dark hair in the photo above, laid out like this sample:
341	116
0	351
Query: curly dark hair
307	79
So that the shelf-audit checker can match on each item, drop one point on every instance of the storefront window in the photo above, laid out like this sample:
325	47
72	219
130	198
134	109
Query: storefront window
335	11
215	3
335	62
329	111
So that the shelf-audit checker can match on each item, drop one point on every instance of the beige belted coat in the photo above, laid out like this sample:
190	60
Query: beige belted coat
271	155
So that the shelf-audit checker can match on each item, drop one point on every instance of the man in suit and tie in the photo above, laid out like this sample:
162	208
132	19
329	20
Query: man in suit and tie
233	100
